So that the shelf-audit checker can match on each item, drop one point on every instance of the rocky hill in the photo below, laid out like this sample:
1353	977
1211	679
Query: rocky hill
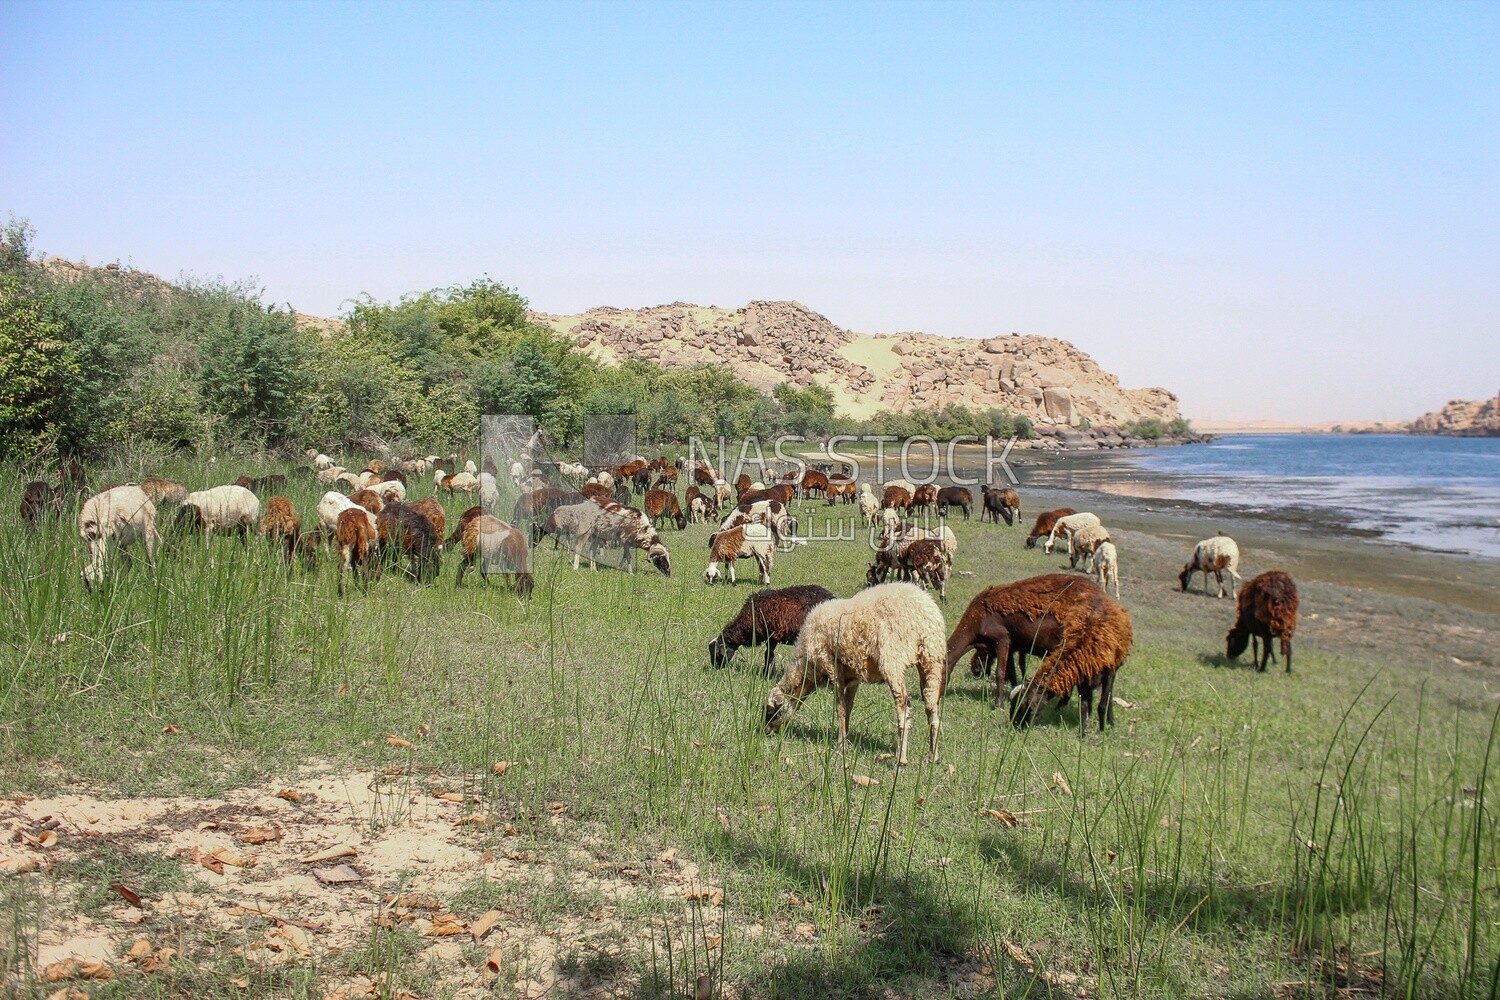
1462	418
768	343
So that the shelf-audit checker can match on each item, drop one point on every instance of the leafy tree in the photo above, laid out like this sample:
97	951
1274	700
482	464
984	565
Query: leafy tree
34	363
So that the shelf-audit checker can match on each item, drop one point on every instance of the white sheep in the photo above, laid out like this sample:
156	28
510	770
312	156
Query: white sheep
489	492
389	491
1214	555
233	508
869	506
591	525
748	541
123	515
1083	542
607	480
331	506
1066	526
1105	566
330	475
876	635
322	461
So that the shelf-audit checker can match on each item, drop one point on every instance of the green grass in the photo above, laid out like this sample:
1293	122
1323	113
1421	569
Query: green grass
1236	834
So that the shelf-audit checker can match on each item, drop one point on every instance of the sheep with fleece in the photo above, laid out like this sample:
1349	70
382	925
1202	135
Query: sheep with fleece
869	507
766	618
1266	609
496	547
389	491
334	503
1083	542
281	525
874	636
230	508
1065	526
1097	637
591	525
1216	555
355	536
330	475
163	490
1008	622
1045	521
489	493
998	502
1105	564
122	515
748	541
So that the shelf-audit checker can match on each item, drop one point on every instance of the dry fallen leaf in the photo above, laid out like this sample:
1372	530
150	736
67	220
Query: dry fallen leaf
952	770
703	989
230	856
397	741
139	950
157	960
447	796
501	766
557	807
864	780
509	829
341	851
423	729
1061	783
485	924
67	994
494	961
260	835
1003	815
476	819
47	840
208	861
714	940
56	972
171	729
126	893
1123	703
291	795
1111	854
714	897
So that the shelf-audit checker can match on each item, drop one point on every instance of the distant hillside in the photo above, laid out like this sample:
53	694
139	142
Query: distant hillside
767	343
1462	418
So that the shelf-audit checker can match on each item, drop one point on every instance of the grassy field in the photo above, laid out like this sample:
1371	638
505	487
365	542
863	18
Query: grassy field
1325	833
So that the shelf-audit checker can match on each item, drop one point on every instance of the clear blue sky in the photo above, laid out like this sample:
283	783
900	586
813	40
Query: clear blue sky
1278	211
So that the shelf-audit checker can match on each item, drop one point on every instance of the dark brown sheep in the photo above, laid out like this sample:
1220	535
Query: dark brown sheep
781	492
464	520
535	506
356	540
954	496
40	499
1267	609
767	618
402	530
1097	637
812	482
281	525
842	488
491	542
924	496
394	476
896	498
742	483
262	484
1045	522
1005	624
368	499
661	504
1001	501
433	511
926	562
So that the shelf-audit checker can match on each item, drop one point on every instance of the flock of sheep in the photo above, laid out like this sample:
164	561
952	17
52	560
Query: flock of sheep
1069	620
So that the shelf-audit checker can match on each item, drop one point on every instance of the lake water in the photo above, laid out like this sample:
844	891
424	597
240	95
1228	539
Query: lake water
1435	492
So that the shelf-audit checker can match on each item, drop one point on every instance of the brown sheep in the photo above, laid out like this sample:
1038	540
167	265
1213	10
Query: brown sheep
464	520
1267	609
954	496
766	618
433	511
896	498
661	504
924	496
281	524
376	466
710	500
1097	637
535	506
402	529
393	476
926	561
1045	522
747	541
39	499
742	483
356	541
262	484
842	488
493	544
368	499
163	490
812	482
781	492
1001	502
596	491
666	478
1006	623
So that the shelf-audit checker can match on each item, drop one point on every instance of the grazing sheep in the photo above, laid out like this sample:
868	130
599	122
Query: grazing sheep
743	483
813	481
748	541
1065	526
232	508
597	491
869	507
710	501
661	504
896	498
281	525
355	536
433	511
1266	610
899	534
40	498
123	515
321	461
163	490
394	476
1097	637
590	525
924	496
1105	565
465	481
401	529
262	484
376	466
531	508
470	467
389	490
772	513
1002	502
954	496
353	482
1083	542
781	493
722	495
1216	555
873	636
1045	522
926	561
606	480
698	510
331	506
1005	624
766	618
841	489
464	520
497	547
329	475
489	492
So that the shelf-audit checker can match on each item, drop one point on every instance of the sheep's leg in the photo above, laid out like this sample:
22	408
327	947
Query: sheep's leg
732	581
1107	707
903	718
770	655
1286	651
845	706
1085	709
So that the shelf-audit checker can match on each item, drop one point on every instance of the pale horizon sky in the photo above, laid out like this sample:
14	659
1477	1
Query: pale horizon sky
1278	211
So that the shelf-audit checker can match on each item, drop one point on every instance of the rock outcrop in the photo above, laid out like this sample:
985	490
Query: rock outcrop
1462	418
768	343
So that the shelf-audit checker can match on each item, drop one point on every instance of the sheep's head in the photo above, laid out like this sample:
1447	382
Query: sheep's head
779	709
92	574
1026	700
1031	541
1187	572
719	653
660	558
711	575
979	663
1236	641
873	575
